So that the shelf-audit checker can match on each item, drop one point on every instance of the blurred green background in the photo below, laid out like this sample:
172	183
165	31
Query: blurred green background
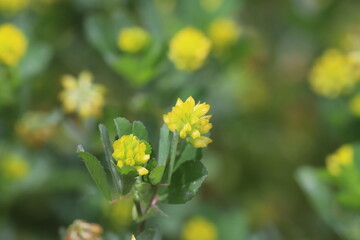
267	121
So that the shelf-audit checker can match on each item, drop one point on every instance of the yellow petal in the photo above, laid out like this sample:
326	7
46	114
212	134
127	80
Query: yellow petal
142	171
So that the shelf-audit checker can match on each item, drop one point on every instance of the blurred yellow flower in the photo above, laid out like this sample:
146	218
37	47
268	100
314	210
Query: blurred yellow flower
190	120
354	105
334	73
82	96
133	39
188	49
36	127
342	157
119	213
211	5
129	150
13	5
133	237
199	228
13	166
223	34
13	44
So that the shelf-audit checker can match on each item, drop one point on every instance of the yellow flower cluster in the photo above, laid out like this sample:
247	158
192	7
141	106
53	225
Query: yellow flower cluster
13	167
133	39
83	230
190	121
13	5
223	34
13	44
334	73
188	49
129	150
82	96
342	157
199	228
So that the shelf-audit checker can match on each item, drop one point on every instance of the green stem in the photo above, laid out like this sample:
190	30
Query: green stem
141	226
173	150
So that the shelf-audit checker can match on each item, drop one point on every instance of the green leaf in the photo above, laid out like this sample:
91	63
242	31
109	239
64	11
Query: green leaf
164	145
150	234
128	176
185	182
96	171
189	153
156	175
356	147
139	130
123	126
320	195
29	68
108	155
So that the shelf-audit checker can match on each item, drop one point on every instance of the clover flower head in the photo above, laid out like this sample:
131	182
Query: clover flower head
13	6
190	121
13	166
13	44
133	39
188	49
82	95
199	228
334	73
341	158
129	150
223	33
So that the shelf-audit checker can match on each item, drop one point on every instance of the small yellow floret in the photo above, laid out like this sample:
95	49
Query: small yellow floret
14	167
342	157
129	150
133	39
334	73
188	49
198	228
13	44
190	121
133	237
223	34
82	96
13	6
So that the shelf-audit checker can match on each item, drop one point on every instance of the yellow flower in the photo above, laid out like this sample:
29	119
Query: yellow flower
198	228
82	96
13	44
13	5
14	167
342	157
223	33
129	150
133	237
133	39
188	49
190	121
36	127
211	5
334	73
83	230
